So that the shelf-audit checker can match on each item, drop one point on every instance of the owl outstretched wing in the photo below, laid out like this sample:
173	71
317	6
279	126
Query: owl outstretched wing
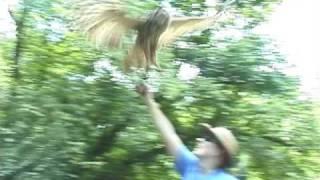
103	21
181	25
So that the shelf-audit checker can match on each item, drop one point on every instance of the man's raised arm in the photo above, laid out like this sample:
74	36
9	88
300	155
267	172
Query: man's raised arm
167	131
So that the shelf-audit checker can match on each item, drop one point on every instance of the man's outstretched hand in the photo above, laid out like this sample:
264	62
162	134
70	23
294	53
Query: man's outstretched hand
143	90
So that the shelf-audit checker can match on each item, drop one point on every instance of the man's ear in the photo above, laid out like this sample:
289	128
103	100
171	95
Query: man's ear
226	159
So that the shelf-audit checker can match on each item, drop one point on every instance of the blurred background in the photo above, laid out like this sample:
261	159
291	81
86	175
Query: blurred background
68	112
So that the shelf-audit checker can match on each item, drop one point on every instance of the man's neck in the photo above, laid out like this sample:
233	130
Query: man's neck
208	165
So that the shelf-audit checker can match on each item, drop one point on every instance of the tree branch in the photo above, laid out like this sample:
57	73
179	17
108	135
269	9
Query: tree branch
20	23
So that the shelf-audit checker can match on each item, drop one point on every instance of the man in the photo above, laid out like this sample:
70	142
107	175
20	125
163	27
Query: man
213	151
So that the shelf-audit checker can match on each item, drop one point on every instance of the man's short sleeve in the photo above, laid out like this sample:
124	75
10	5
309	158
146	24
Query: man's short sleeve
184	159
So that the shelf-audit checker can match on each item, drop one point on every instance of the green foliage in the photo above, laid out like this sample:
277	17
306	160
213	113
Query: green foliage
62	116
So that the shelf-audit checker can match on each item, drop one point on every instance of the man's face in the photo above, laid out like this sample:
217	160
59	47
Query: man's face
206	148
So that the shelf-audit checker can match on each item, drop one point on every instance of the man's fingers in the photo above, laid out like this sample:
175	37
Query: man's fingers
142	89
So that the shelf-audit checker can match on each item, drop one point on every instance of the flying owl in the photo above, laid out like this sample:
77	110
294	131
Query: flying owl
105	22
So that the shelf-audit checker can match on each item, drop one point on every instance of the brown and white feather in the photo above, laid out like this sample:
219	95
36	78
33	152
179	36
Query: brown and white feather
104	22
182	25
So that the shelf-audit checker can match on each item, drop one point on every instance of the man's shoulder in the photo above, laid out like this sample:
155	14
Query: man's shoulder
184	152
227	176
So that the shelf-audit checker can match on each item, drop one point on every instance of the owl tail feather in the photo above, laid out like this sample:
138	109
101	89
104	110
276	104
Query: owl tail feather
135	59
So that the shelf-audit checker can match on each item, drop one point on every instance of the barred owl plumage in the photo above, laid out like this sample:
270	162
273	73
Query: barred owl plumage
105	22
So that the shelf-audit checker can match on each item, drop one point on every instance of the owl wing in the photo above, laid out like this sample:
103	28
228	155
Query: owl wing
103	21
181	25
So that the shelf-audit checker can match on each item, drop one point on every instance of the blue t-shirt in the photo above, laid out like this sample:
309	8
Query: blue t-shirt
187	165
